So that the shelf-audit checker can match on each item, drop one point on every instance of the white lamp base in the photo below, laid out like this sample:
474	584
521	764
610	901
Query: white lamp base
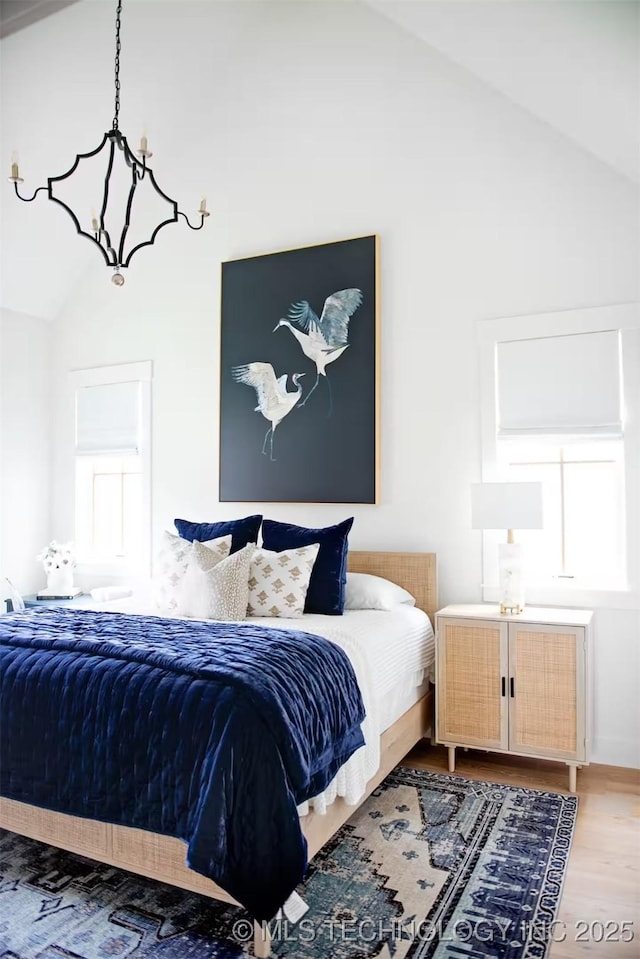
511	579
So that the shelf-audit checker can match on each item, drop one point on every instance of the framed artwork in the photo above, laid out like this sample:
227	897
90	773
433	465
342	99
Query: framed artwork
299	398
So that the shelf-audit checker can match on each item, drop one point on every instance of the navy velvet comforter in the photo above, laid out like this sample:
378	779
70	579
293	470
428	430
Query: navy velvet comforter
210	732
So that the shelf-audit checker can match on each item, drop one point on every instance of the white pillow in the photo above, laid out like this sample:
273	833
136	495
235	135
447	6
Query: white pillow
278	582
364	591
216	589
171	566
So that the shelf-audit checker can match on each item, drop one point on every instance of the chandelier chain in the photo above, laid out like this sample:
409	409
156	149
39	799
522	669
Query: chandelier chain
117	66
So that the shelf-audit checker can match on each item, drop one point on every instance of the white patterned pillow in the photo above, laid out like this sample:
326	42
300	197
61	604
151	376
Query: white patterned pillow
214	589
278	582
171	566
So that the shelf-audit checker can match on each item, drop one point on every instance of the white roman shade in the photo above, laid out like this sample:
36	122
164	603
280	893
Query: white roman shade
108	418
560	384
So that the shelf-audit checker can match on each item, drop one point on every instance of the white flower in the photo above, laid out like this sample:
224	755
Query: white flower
57	556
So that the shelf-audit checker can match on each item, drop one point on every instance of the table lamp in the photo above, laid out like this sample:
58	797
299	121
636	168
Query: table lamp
508	506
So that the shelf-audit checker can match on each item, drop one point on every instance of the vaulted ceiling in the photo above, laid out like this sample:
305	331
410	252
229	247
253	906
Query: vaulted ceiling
573	64
17	14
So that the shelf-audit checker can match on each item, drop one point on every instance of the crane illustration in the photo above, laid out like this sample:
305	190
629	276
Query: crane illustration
274	401
322	340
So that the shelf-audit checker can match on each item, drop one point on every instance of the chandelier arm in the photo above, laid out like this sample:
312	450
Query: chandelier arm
123	146
173	219
79	156
29	199
82	232
107	178
138	170
109	254
113	257
191	227
150	242
160	192
127	215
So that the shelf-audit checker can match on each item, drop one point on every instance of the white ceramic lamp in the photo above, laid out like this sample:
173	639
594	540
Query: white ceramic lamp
508	506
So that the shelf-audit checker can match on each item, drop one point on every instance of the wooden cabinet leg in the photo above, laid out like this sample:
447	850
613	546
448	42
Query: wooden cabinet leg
452	758
573	778
261	940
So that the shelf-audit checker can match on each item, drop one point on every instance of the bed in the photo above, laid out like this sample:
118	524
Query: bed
163	858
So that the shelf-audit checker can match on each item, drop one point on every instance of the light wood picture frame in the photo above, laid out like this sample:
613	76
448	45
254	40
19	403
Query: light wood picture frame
299	377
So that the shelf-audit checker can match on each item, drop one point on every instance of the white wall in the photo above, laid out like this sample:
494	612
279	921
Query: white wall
311	122
25	438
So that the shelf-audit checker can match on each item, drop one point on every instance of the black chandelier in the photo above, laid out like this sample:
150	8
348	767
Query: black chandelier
112	242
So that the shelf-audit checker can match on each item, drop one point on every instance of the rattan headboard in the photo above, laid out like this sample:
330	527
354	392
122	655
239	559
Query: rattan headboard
415	572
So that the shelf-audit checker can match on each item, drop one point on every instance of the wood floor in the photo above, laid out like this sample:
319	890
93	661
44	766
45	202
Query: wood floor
602	886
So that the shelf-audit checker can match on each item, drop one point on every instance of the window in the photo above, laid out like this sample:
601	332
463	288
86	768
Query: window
112	467
560	405
109	507
583	495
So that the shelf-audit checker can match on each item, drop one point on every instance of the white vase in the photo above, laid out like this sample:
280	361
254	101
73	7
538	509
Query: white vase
60	581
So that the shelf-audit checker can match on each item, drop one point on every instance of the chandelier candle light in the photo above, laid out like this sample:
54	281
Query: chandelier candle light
508	506
111	239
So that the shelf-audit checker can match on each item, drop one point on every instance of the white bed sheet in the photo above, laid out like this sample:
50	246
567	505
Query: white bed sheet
392	654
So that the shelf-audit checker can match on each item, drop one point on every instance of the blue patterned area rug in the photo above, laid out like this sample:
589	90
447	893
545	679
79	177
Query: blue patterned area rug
430	866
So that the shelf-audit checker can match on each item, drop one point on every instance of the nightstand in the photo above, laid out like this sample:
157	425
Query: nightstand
82	600
516	684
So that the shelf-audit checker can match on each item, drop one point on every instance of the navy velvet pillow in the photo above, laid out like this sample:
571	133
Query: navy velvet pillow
242	531
329	575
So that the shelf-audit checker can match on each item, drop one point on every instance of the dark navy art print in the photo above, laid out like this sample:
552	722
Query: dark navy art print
298	379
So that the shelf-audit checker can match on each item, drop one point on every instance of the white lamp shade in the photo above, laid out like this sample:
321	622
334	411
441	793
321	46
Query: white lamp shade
506	506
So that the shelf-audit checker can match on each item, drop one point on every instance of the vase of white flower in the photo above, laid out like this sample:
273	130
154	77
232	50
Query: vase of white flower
60	580
58	561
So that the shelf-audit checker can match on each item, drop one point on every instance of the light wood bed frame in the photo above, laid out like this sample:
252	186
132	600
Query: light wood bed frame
162	857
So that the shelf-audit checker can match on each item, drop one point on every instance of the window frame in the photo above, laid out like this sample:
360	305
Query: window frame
141	372
603	450
91	468
490	332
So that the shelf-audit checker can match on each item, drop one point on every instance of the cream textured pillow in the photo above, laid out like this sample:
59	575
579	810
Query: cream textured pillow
214	589
171	566
278	582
